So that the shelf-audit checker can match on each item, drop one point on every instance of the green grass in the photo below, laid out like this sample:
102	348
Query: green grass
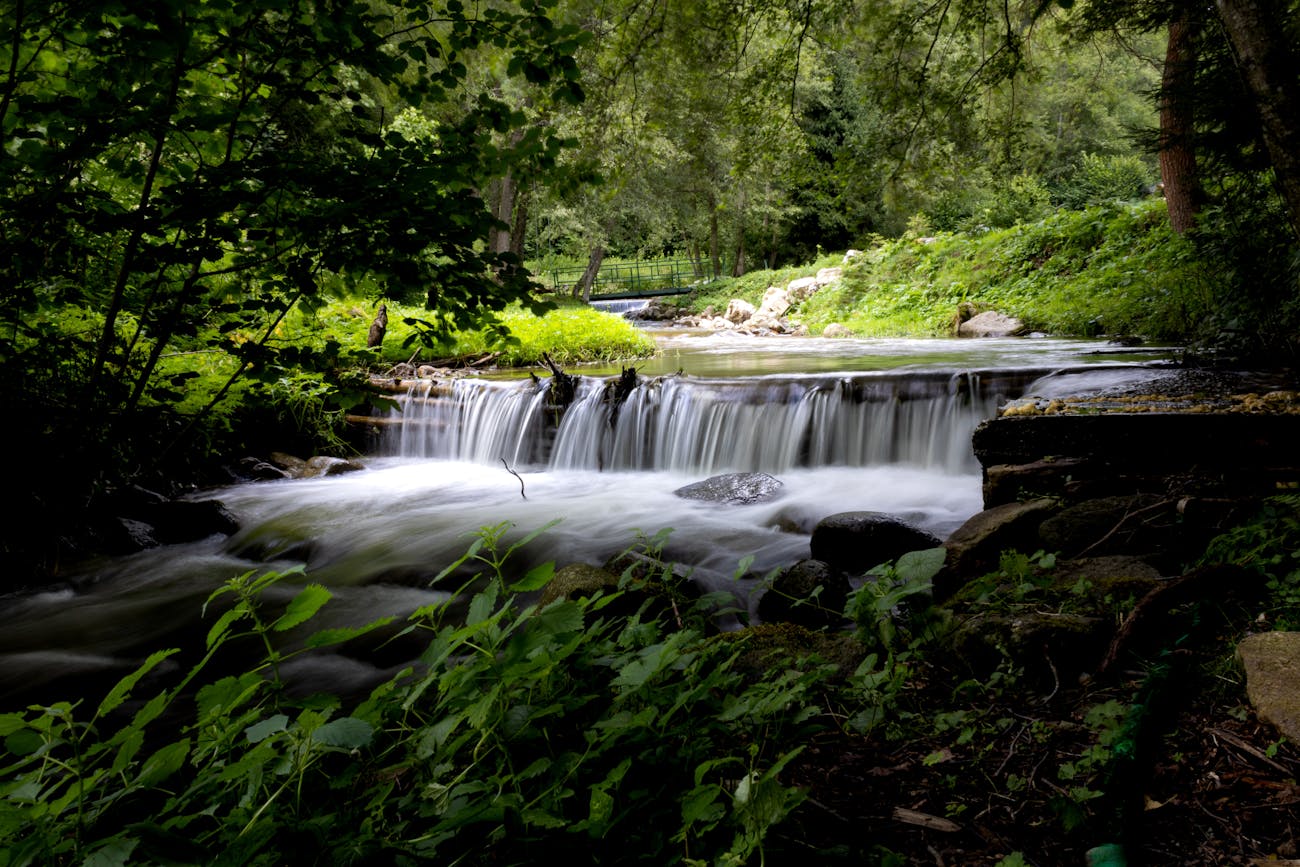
571	333
1111	269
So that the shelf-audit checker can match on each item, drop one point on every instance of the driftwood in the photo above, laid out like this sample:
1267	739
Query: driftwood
618	390
563	386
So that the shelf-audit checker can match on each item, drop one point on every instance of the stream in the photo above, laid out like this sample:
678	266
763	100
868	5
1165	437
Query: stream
846	425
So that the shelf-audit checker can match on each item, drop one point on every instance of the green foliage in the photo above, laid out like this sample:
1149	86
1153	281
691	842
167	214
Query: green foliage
521	730
1269	545
1098	179
1115	269
179	178
570	332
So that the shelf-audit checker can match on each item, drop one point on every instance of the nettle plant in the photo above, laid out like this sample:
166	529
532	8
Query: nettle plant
611	739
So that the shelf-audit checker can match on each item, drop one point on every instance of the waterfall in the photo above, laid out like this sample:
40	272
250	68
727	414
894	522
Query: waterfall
686	424
620	305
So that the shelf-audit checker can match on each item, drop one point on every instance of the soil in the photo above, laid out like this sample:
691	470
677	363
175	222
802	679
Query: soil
1184	774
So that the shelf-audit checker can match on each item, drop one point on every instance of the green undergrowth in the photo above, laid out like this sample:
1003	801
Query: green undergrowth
562	730
579	732
1110	269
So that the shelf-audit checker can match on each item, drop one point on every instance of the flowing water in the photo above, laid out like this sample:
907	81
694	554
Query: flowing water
845	425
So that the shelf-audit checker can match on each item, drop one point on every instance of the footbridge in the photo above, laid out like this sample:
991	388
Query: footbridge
640	279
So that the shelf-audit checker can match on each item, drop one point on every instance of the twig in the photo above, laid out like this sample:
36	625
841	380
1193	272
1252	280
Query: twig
1247	748
517	476
1122	521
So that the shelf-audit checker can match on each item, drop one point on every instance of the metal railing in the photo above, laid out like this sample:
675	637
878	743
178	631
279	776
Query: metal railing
638	279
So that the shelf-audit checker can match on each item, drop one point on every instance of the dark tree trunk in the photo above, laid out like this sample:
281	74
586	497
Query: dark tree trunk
713	239
1178	170
1271	70
582	289
519	225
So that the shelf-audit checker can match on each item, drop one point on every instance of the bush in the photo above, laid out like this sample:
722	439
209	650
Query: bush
1099	179
564	730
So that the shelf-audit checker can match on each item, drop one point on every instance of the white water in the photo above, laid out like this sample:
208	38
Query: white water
705	426
892	442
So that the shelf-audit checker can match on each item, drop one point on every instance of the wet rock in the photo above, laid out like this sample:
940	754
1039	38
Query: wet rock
176	521
322	465
1272	664
974	547
1007	483
990	324
856	541
257	470
734	489
810	593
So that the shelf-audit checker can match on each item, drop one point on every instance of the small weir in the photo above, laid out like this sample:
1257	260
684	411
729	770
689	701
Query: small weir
684	424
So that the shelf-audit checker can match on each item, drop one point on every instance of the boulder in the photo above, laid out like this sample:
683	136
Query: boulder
829	275
990	324
776	301
577	580
803	288
836	330
734	489
1272	664
1137	524
974	547
1053	649
738	310
321	465
176	521
810	593
856	541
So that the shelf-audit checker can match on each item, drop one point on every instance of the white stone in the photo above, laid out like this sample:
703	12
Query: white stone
990	324
738	310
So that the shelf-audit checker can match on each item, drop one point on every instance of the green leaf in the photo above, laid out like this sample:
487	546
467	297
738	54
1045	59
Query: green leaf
338	635
163	763
303	607
220	698
258	732
917	567
10	723
116	853
537	578
347	733
24	742
122	689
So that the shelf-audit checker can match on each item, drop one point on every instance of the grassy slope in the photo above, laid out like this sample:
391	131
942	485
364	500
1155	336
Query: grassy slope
1112	269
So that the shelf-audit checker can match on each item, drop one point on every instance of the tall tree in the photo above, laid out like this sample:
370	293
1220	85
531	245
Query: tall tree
178	164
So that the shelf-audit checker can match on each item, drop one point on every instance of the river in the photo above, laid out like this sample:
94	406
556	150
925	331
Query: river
880	425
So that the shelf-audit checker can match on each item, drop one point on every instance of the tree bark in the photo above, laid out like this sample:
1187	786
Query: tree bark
713	239
583	287
1178	169
1271	70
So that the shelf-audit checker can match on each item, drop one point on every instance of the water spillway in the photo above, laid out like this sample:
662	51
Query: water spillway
686	424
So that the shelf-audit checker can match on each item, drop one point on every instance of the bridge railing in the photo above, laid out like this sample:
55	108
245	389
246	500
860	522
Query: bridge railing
648	277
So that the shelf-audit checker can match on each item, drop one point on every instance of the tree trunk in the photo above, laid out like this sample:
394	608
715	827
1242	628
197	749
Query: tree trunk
713	239
519	224
1178	171
583	287
1271	71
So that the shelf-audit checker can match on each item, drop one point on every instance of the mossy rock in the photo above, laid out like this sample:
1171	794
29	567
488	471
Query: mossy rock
810	593
577	580
1052	649
775	647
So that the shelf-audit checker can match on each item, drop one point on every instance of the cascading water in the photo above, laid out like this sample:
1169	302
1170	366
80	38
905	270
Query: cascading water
856	437
682	424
